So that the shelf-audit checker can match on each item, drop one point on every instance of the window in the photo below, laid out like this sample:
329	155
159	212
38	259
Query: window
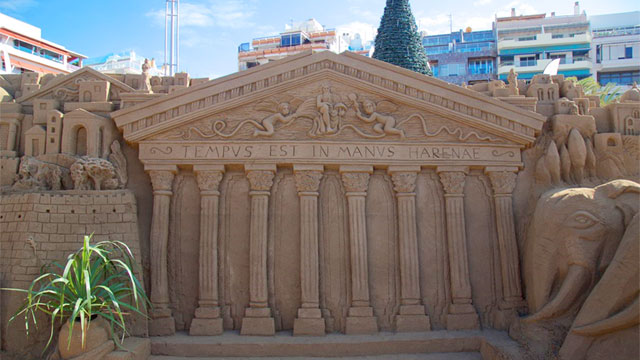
527	61
452	70
628	52
480	66
562	57
290	40
619	78
557	36
527	38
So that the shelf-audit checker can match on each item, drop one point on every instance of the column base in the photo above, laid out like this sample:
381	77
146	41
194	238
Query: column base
205	327
361	321
412	323
308	326
163	326
258	321
467	321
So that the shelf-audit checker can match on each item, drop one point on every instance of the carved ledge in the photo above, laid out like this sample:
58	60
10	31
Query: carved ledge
503	182
260	180
453	182
404	182
161	180
308	181
355	182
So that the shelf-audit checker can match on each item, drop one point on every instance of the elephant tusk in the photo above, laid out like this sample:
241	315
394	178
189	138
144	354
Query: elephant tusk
626	318
574	284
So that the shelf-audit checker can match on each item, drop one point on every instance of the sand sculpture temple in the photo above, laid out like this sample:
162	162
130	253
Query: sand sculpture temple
324	196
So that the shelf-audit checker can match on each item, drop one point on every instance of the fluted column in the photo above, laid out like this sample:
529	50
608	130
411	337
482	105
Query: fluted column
356	182
207	319
462	315
258	319
309	320
412	315
503	181
162	323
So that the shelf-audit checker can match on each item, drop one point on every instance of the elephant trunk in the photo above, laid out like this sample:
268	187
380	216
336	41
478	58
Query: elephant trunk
576	282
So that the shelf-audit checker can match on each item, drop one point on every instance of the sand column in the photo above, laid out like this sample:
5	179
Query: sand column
356	182
309	320
207	319
503	181
162	323
412	315
462	315
258	319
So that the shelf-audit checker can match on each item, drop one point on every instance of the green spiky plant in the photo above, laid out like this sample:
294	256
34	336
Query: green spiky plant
608	93
97	281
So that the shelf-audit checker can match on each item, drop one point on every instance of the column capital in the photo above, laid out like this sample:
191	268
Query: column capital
503	182
161	180
453	182
355	181
208	180
307	180
404	181
260	180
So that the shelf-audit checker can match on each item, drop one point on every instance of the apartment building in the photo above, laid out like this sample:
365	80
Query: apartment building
22	49
462	56
615	48
309	35
528	43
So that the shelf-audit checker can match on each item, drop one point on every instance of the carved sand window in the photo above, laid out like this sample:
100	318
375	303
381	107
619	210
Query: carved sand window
81	141
35	147
4	136
86	97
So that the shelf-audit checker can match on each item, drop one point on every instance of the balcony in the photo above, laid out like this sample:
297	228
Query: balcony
537	66
544	41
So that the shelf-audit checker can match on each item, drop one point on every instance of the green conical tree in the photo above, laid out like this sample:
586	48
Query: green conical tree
398	41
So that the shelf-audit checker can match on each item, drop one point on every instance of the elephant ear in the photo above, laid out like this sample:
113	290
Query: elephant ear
626	195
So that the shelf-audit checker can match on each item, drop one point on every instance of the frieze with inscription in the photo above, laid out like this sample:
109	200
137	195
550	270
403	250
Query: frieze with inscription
327	152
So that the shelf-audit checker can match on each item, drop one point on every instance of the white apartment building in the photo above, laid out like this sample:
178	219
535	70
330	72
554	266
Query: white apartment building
615	48
22	49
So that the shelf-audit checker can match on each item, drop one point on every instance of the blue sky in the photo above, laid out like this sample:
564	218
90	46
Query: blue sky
211	30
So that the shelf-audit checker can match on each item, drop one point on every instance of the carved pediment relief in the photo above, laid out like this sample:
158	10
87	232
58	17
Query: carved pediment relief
392	103
67	88
329	111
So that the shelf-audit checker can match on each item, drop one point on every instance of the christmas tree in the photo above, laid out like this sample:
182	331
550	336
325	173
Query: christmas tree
398	41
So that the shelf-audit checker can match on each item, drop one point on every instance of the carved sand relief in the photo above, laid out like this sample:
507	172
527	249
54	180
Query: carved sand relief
234	247
183	249
432	247
333	111
334	253
383	249
284	254
481	245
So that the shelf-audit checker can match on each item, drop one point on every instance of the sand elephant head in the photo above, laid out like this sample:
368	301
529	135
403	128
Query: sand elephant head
573	236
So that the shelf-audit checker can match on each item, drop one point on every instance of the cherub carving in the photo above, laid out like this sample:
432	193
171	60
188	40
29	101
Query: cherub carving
283	115
385	124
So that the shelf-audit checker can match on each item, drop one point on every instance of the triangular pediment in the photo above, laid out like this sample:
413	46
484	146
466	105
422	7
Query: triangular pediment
65	88
329	97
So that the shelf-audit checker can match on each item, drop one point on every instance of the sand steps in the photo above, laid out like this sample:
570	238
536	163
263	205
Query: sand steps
434	345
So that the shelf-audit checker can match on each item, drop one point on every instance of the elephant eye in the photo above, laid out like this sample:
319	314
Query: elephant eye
582	220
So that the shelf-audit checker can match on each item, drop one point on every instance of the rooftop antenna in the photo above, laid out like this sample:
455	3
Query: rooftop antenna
171	37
